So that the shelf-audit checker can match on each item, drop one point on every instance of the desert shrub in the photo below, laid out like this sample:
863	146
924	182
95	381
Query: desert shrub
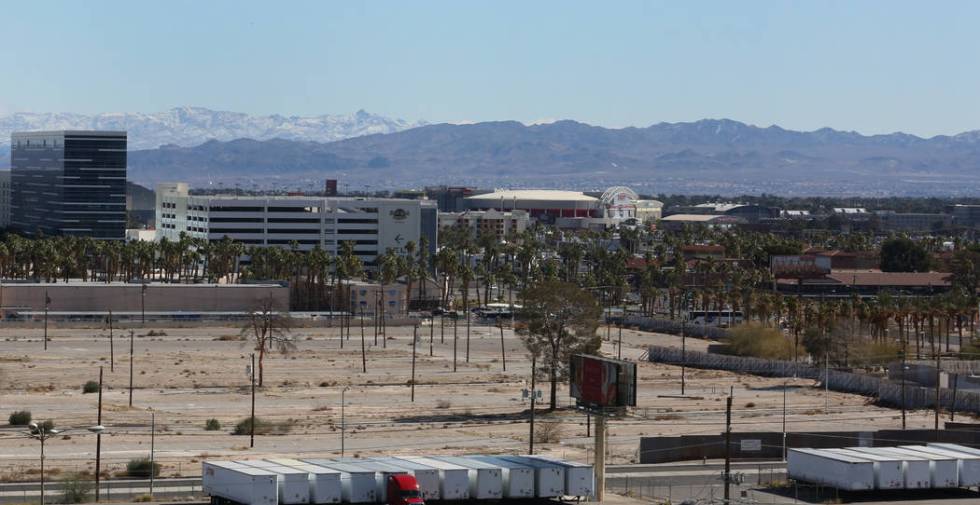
212	425
140	467
443	404
262	427
759	341
143	498
866	353
90	387
549	432
75	488
19	418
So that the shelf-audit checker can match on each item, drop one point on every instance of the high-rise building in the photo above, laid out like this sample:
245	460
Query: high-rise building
69	183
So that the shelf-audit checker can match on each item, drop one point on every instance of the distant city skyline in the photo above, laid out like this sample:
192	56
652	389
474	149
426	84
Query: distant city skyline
872	67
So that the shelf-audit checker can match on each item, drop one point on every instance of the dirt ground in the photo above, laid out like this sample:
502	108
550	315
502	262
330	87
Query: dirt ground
186	376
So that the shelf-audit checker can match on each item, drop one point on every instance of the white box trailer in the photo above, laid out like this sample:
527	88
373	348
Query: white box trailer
518	479
294	485
944	468
549	478
486	480
238	483
836	470
357	485
967	465
889	471
426	476
918	474
455	479
382	472
325	485
579	477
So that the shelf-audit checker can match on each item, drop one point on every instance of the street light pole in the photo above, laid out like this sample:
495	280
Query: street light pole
251	423
131	336
98	440
153	430
415	337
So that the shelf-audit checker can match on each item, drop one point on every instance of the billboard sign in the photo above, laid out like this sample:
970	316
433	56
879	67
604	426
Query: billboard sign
600	384
799	266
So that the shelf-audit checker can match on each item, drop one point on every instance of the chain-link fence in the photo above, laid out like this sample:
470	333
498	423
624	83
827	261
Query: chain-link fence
885	391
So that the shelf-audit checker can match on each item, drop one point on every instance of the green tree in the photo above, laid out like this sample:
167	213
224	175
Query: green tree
561	321
902	254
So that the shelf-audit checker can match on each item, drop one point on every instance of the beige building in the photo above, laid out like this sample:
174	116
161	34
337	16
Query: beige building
495	223
649	211
365	298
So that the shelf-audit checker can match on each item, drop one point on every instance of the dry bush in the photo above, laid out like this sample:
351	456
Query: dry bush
549	432
759	341
443	404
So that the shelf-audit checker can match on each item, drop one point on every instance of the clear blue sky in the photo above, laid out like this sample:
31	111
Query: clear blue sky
870	66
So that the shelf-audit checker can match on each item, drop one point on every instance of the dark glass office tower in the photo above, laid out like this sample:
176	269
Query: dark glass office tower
69	183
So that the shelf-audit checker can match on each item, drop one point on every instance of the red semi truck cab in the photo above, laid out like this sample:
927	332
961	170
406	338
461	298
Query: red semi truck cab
403	489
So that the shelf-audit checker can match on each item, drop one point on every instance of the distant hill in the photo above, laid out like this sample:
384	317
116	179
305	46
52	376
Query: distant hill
715	156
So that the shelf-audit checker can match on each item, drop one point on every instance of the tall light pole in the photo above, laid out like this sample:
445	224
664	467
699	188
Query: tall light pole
47	302
98	440
343	419
251	422
153	431
41	433
143	304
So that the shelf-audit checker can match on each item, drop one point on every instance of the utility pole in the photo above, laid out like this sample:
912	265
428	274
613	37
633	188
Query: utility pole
503	350
534	370
952	407
47	301
112	352
826	382
728	449
432	333
363	346
938	398
415	337
153	431
467	335
251	423
784	420
131	337
903	388
98	440
455	338
343	419
619	346
143	310
683	356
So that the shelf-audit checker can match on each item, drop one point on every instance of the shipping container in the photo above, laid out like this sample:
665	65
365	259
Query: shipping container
518	479
889	471
967	464
549	478
579	477
294	485
830	469
918	473
945	468
357	484
427	477
325	487
486	480
239	483
455	480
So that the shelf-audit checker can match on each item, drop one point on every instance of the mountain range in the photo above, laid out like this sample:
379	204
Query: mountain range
191	126
370	152
707	156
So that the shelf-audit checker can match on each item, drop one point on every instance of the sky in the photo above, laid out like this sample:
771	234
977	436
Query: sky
869	66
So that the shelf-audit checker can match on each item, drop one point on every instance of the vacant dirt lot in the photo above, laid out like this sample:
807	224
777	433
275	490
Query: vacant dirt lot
189	375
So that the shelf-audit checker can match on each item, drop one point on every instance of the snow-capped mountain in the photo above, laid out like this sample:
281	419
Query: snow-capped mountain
190	126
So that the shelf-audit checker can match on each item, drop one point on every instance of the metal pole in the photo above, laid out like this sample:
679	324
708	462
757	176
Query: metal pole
98	440
143	310
683	357
432	333
415	336
952	407
784	420
467	335
41	435
534	370
728	449
826	383
503	350
363	346
251	422
131	336
455	338
112	351
619	346
343	420
903	389
938	402
46	302
153	430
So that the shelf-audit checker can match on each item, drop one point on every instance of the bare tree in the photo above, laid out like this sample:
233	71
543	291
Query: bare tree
270	330
561	321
